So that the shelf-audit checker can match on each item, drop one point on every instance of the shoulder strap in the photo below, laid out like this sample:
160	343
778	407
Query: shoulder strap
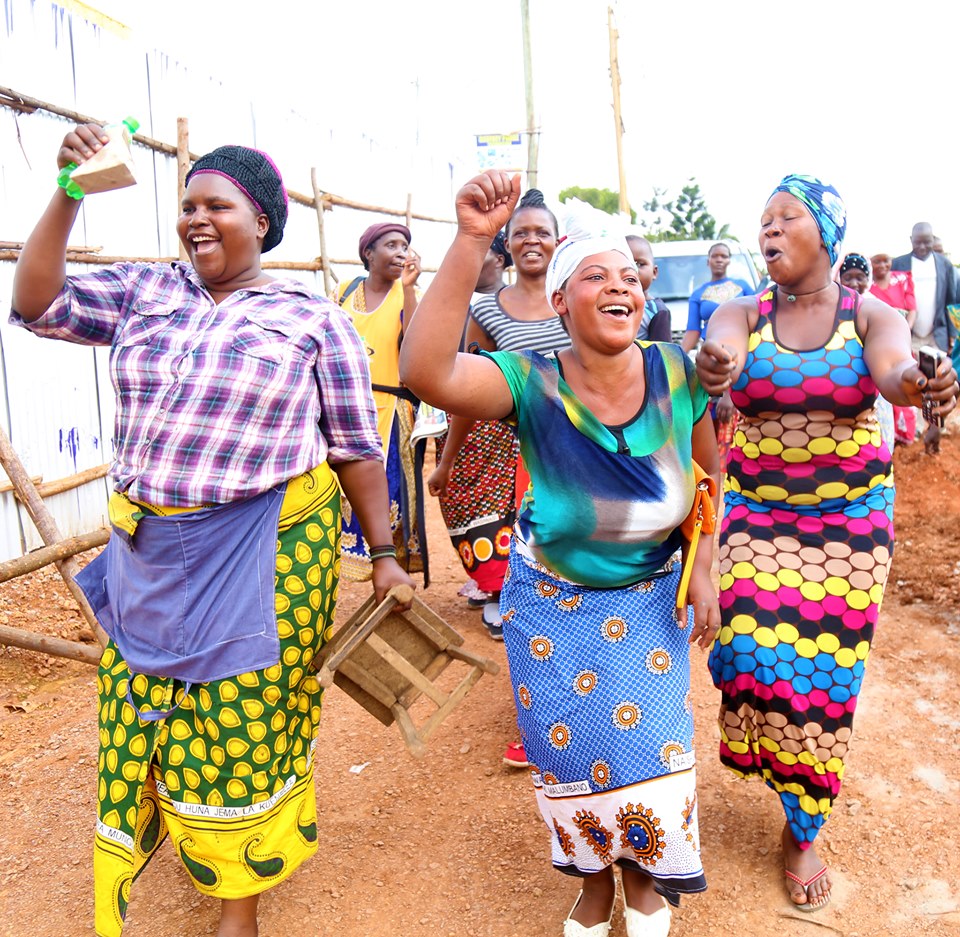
353	285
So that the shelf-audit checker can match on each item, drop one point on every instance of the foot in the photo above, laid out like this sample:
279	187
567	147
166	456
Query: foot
492	620
645	913
807	878
593	910
515	756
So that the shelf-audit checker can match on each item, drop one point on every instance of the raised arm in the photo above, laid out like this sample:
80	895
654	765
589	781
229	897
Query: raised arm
430	365
42	267
721	357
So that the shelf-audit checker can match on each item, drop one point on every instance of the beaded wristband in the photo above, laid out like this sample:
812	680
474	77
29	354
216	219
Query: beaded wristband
67	184
382	552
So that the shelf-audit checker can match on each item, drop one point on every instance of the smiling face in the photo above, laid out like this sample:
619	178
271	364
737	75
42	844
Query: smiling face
221	230
718	260
790	241
602	302
531	240
921	240
387	255
880	265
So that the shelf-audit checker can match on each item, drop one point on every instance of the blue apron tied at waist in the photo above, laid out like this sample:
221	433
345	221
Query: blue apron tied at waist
191	595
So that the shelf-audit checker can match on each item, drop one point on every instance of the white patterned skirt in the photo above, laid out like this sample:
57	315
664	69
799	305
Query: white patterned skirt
601	681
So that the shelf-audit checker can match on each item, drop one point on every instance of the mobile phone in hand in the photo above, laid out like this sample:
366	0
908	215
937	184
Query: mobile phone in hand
929	358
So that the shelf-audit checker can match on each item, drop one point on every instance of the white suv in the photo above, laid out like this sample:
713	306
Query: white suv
683	267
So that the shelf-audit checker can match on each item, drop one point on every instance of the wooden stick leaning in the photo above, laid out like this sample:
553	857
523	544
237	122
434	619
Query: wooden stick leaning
37	559
47	528
45	644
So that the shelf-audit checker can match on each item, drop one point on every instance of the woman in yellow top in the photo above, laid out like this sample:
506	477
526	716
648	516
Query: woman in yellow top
380	304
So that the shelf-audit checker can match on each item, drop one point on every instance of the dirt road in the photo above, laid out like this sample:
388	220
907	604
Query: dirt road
453	844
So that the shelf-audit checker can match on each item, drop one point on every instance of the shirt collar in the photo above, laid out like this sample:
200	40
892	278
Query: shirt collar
284	285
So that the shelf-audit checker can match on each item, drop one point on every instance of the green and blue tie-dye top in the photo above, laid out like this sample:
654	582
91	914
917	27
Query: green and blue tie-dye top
604	501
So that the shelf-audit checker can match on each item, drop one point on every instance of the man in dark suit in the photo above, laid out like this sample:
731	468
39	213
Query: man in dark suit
935	286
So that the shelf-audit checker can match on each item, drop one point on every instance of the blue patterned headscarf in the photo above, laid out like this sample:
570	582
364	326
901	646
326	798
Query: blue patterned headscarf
824	203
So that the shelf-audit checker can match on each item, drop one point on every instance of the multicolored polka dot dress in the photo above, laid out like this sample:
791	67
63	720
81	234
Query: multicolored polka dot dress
804	554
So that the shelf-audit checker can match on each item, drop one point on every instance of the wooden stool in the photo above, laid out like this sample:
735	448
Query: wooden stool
386	659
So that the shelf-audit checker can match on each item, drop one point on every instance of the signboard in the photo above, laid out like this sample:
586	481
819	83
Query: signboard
500	151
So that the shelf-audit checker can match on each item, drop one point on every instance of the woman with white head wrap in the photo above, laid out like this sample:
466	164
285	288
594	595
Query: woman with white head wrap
609	429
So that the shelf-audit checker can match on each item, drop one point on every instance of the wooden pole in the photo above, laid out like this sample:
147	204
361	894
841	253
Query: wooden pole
533	135
46	644
617	118
324	259
59	485
409	216
37	559
25	104
47	528
183	167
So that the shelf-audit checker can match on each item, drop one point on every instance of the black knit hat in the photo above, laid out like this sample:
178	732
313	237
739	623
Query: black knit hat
256	175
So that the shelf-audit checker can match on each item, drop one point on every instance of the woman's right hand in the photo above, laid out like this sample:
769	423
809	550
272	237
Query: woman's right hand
484	205
437	480
715	366
80	144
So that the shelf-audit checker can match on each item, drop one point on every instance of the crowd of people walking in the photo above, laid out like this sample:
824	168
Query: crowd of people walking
263	446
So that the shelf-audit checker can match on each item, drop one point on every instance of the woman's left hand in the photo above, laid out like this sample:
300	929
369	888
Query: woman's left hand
387	573
942	390
702	595
411	269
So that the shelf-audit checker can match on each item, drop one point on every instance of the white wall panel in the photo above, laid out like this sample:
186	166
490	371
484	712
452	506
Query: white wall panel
56	401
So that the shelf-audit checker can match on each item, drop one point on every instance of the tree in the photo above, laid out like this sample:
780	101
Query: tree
687	217
604	199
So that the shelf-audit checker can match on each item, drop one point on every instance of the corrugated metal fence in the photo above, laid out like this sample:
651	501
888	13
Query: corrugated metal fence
56	402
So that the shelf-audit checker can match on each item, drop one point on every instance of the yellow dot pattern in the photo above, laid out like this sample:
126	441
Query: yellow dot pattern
232	743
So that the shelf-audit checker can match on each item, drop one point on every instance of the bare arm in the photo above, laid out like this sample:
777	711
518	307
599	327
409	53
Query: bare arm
459	428
689	340
701	593
365	485
42	267
886	351
430	364
721	357
408	280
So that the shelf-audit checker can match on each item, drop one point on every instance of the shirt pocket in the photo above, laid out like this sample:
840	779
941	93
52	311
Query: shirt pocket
272	342
145	322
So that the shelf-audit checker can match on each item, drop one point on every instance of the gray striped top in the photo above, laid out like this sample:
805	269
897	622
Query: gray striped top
510	334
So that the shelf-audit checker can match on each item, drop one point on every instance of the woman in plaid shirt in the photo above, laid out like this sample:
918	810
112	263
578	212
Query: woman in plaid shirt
241	401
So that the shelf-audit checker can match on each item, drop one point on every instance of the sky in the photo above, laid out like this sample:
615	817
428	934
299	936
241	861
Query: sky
734	95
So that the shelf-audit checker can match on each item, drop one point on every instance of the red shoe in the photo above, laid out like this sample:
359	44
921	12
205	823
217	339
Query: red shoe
515	756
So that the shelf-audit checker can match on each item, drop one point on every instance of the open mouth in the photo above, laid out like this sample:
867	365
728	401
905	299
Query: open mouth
772	253
616	310
203	244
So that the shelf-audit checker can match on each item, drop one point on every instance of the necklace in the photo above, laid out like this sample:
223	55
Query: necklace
792	297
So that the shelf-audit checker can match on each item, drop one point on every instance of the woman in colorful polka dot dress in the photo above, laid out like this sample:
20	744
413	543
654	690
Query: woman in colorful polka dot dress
808	529
599	662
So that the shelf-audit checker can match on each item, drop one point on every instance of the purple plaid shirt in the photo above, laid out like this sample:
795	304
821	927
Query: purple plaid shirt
218	402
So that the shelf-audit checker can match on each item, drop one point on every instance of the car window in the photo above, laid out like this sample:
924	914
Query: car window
678	277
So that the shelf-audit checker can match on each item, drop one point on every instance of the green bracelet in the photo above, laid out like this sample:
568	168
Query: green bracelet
65	181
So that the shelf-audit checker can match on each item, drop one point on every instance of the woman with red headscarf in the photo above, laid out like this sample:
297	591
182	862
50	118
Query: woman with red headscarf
380	305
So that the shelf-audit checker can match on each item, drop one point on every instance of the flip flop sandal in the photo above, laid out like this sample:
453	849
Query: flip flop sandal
809	906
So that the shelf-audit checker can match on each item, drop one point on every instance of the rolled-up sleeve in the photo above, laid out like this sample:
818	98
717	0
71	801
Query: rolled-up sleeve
88	308
348	414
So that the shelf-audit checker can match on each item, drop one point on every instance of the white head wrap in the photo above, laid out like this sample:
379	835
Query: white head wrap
588	231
